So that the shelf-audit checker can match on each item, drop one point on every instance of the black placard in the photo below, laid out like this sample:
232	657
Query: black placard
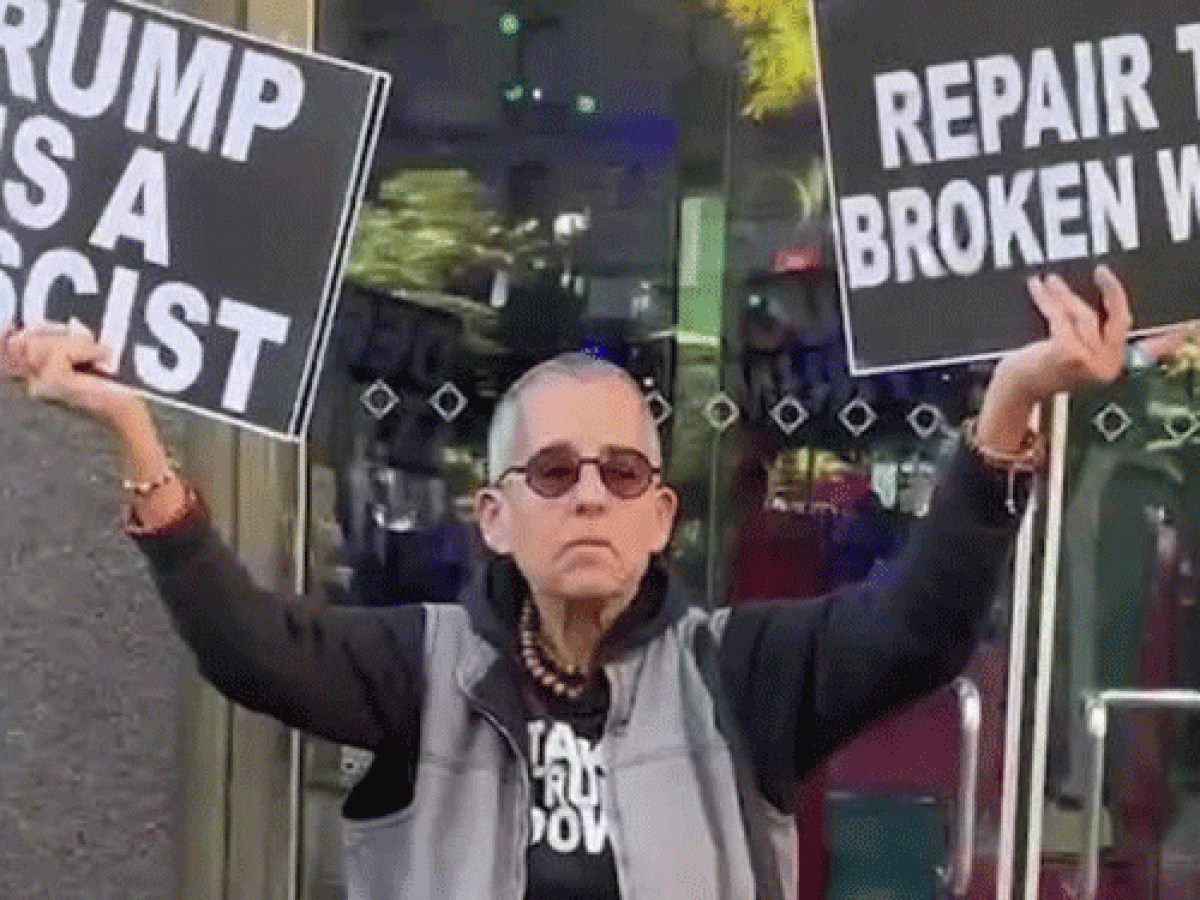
971	144
186	191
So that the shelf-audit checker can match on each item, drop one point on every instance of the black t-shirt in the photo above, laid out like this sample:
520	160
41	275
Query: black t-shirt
570	853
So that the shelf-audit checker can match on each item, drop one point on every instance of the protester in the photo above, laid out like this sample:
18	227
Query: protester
577	726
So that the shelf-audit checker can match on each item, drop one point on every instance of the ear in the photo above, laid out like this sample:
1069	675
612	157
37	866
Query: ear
491	511
666	504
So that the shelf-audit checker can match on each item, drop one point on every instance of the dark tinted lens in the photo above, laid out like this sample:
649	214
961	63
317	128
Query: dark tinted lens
626	473
553	471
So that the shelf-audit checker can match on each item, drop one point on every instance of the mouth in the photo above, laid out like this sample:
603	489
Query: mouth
587	544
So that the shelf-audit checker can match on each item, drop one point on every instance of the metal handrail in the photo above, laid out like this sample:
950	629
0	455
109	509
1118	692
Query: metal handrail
957	873
1096	706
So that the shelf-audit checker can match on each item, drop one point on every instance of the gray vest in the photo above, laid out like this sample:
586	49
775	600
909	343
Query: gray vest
680	828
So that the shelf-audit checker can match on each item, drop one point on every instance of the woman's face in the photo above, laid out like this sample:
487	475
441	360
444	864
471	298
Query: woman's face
587	545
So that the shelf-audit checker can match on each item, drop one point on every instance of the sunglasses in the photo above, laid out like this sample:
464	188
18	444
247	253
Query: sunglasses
554	470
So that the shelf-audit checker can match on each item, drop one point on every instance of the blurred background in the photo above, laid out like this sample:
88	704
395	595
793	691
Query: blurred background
643	181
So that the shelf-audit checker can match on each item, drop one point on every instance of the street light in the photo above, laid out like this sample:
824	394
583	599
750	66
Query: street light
510	24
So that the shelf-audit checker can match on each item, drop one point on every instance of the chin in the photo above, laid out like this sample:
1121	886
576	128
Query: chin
594	587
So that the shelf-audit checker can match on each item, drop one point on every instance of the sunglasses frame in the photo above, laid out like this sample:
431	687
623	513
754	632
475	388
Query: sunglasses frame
580	461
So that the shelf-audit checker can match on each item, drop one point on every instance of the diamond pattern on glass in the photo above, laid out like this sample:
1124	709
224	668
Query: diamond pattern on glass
789	414
660	409
448	401
721	412
857	416
379	399
925	420
1181	425
1112	422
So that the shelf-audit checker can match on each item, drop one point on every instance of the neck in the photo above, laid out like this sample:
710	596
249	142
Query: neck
573	628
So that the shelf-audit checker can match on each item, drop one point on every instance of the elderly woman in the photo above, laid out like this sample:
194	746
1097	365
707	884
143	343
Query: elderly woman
576	726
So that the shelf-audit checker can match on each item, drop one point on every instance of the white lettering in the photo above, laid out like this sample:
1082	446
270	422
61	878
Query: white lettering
1126	63
1187	40
562	830
595	828
1086	92
253	326
118	310
868	260
89	102
1180	190
42	172
50	267
912	234
156	79
1059	208
946	111
10	258
176	337
1048	108
143	184
898	108
1111	207
251	110
1000	89
16	40
1009	220
961	199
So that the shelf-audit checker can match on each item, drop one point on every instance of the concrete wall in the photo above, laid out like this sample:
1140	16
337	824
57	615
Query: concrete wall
90	676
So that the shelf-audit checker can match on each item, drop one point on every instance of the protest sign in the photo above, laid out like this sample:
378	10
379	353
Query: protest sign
186	191
972	144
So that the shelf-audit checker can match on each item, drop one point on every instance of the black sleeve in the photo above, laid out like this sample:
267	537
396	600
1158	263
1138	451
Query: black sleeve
805	676
352	675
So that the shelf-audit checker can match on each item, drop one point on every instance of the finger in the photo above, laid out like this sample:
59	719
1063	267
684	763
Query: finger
47	329
92	355
1167	343
1081	315
16	351
1050	306
77	329
8	363
1063	336
1116	306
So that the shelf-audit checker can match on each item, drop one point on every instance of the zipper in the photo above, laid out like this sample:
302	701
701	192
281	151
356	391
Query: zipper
607	742
522	830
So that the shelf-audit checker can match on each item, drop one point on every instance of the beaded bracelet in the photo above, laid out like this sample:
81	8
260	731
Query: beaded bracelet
1029	460
143	489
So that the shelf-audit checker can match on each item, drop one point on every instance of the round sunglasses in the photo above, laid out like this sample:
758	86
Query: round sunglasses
554	470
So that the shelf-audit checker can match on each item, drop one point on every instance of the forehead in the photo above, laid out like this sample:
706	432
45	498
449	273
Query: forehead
589	413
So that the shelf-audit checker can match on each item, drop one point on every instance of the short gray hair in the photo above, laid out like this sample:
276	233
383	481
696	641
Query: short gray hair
506	419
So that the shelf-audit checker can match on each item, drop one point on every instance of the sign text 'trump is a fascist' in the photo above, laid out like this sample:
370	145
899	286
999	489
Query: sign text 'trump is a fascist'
185	191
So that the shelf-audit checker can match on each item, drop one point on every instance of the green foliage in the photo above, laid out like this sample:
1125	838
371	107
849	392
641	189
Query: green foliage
777	41
429	226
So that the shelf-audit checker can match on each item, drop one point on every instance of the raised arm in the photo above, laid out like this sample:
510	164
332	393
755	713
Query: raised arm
806	677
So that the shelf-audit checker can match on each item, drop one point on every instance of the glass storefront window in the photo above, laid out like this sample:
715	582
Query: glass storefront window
568	176
1125	677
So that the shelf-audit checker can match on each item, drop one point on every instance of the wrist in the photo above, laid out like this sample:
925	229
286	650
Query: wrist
1004	416
128	416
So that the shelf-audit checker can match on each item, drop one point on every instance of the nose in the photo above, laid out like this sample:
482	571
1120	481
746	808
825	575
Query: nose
590	489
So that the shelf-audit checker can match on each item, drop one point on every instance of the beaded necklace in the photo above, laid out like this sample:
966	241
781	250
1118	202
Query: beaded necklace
569	685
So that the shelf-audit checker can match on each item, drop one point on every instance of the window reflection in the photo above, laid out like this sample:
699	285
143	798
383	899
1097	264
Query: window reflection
1128	620
586	177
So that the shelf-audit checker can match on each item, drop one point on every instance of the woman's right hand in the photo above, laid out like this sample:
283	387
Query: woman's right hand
62	364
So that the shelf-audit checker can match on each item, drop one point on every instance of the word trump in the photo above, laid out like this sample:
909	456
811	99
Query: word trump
267	91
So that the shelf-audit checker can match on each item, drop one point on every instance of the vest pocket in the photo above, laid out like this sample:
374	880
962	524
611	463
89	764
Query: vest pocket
388	787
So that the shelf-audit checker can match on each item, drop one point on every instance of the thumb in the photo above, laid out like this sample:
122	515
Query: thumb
89	355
